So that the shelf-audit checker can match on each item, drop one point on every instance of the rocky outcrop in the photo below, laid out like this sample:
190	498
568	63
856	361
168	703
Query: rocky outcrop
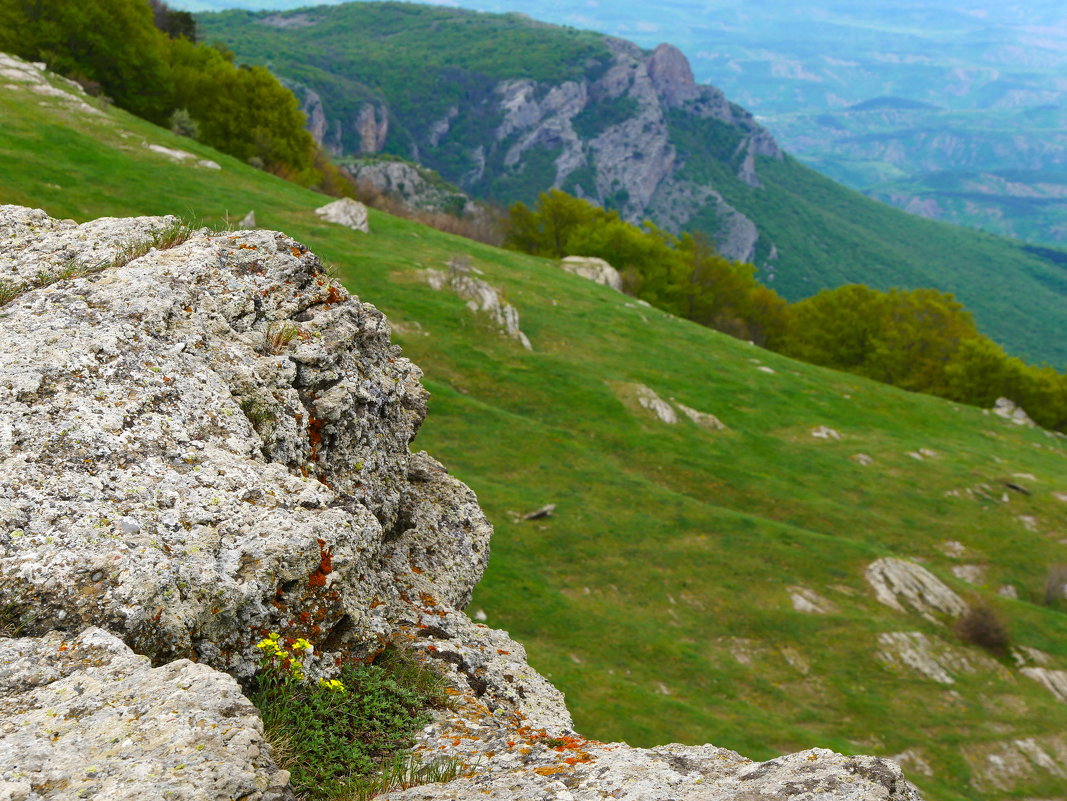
931	657
482	298
372	126
203	439
614	137
415	186
671	75
35	77
85	717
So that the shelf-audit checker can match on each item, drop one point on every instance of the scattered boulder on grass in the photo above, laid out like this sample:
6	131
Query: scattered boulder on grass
898	584
481	297
649	400
702	419
931	657
1007	409
248	221
593	269
1055	681
809	601
347	212
972	574
646	398
542	513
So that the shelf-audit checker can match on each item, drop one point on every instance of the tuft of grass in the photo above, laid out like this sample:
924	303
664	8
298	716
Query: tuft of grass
278	337
11	622
259	414
353	744
410	672
170	236
404	772
10	291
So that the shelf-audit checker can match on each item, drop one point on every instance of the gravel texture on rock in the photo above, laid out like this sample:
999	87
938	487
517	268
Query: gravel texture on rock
210	442
85	717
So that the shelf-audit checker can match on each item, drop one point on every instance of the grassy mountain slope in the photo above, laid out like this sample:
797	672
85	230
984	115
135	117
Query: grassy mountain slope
659	595
813	232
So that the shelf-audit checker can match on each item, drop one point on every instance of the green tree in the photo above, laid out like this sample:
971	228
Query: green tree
111	46
242	111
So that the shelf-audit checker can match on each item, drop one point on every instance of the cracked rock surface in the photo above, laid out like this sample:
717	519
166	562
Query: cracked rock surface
210	442
85	717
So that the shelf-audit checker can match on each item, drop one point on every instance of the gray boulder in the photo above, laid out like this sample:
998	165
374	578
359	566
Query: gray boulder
347	212
85	717
1006	408
593	269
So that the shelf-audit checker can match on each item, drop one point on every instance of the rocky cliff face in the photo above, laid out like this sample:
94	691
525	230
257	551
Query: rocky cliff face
204	439
611	139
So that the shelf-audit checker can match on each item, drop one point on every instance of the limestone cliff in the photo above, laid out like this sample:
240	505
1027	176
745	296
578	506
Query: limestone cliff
612	138
202	439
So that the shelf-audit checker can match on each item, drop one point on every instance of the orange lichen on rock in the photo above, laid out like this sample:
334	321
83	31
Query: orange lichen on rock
318	578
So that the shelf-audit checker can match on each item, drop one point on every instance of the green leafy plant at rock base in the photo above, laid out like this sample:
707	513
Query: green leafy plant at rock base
348	738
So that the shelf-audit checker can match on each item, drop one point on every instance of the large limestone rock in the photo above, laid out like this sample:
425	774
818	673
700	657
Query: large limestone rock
347	212
209	442
85	717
